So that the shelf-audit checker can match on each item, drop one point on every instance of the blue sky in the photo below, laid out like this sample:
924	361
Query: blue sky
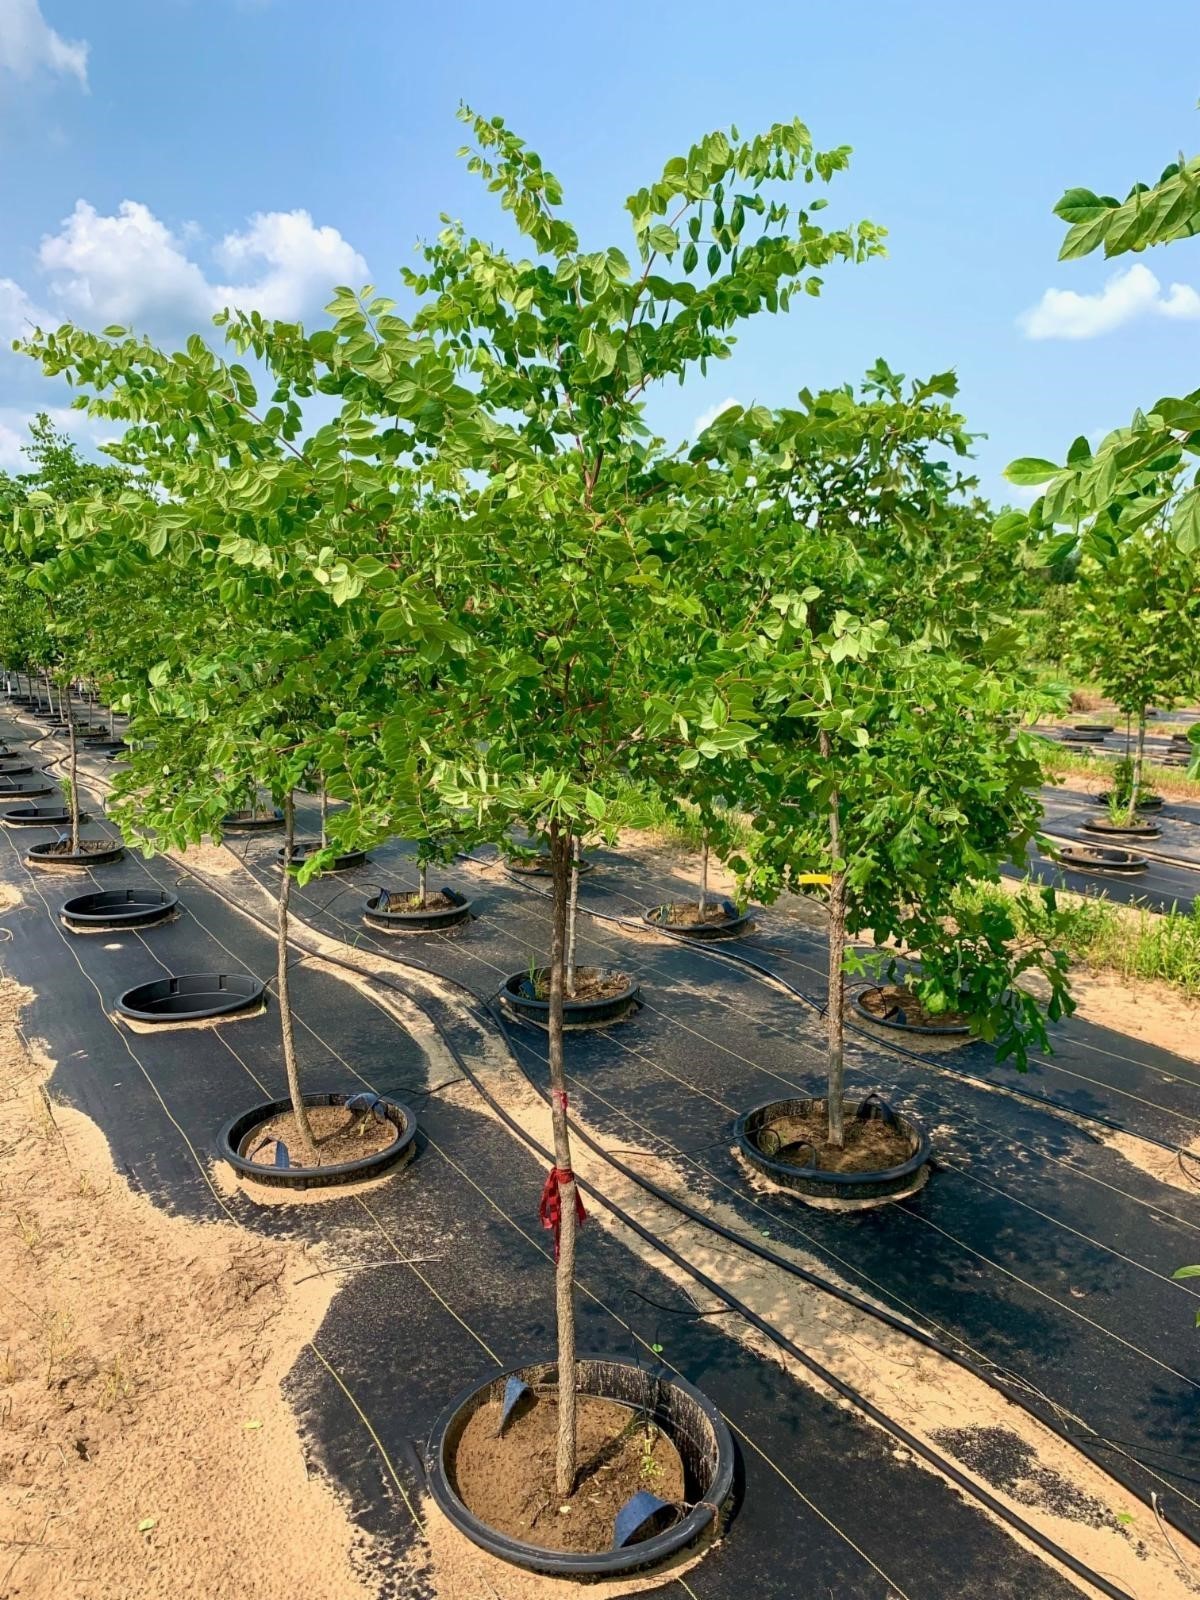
156	155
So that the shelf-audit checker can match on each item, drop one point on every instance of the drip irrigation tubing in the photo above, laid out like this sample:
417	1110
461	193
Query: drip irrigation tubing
482	1010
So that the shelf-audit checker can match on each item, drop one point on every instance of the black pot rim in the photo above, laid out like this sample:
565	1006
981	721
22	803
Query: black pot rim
233	823
1093	727
526	868
302	849
248	991
570	1563
1149	802
238	1129
52	819
734	922
419	921
48	855
949	1030
1119	830
832	1185
1129	860
576	1013
102	908
27	791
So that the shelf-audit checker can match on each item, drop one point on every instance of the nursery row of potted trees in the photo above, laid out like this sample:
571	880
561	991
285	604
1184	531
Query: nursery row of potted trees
483	600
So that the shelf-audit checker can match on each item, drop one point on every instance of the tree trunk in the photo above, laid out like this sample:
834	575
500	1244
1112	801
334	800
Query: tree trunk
1135	782
572	916
564	1278
835	1010
324	815
304	1137
73	786
423	883
703	901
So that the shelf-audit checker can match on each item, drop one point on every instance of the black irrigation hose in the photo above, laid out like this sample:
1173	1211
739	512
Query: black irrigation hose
933	1457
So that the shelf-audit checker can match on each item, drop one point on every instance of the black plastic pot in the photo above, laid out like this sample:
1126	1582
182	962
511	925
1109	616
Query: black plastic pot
435	921
1078	736
518	995
734	922
14	769
191	997
11	790
1094	727
1148	802
898	1019
238	1134
753	1125
309	847
118	908
51	859
105	747
38	817
540	867
248	822
1099	858
1121	830
686	1416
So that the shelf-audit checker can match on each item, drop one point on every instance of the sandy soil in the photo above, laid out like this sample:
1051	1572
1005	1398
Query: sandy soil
146	1450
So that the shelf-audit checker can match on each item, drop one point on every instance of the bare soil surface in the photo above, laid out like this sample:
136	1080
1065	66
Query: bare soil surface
591	983
885	1000
146	1450
871	1145
508	1482
686	914
437	901
340	1135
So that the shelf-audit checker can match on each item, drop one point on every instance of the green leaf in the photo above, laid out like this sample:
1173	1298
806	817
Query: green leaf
1081	205
1029	471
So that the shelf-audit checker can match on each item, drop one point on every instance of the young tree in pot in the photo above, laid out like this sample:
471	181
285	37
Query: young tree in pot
1136	631
884	691
566	550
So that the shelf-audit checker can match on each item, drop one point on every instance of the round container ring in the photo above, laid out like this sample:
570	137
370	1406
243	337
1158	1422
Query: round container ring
735	922
943	1030
686	1416
1121	830
419	921
301	852
816	1181
191	997
50	858
1083	857
237	1133
596	1013
118	908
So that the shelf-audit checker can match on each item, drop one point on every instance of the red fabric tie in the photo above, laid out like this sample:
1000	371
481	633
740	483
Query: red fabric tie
550	1205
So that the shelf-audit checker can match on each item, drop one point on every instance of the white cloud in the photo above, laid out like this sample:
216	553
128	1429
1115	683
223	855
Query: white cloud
18	314
10	448
132	269
707	418
302	262
1134	292
29	44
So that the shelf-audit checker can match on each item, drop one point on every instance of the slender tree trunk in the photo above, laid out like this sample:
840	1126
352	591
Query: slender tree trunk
1135	783
324	815
304	1136
423	883
564	1280
836	1008
112	723
572	916
703	901
73	787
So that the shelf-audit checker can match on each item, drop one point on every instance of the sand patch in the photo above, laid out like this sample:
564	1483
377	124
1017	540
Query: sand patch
145	1445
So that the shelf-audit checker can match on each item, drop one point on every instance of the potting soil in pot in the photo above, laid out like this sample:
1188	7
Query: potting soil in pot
886	1000
591	983
686	914
508	1482
340	1135
871	1144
